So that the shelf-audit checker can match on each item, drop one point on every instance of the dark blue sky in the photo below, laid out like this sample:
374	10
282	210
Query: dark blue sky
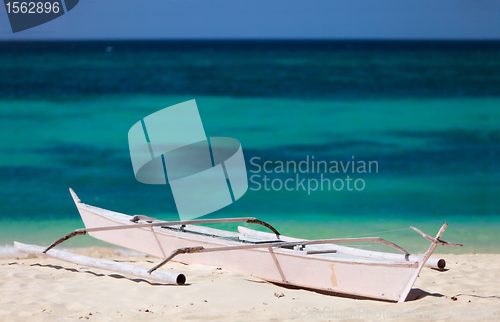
250	19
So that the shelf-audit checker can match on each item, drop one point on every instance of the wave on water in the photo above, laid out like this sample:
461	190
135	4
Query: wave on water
8	250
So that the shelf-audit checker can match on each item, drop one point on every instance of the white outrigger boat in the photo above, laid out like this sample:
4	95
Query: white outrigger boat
313	264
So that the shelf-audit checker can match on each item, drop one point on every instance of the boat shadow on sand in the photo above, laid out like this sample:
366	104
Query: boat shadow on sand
415	293
114	275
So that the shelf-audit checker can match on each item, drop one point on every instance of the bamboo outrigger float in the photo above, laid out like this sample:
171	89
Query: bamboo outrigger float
314	264
123	268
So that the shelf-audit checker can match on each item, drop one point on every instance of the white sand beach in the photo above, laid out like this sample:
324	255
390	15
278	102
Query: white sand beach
45	289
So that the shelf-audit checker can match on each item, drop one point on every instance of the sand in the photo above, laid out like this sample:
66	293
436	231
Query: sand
45	289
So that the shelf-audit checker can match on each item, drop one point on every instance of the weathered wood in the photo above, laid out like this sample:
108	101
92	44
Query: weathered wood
160	276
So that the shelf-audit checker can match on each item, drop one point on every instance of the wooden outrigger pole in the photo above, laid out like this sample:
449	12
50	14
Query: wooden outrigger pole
83	231
437	263
270	245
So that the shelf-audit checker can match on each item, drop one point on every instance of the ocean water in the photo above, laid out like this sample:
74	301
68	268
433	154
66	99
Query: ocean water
426	113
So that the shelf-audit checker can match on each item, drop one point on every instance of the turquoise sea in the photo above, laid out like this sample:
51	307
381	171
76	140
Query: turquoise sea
428	114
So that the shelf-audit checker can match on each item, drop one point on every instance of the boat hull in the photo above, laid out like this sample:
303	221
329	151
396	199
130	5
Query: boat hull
360	277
